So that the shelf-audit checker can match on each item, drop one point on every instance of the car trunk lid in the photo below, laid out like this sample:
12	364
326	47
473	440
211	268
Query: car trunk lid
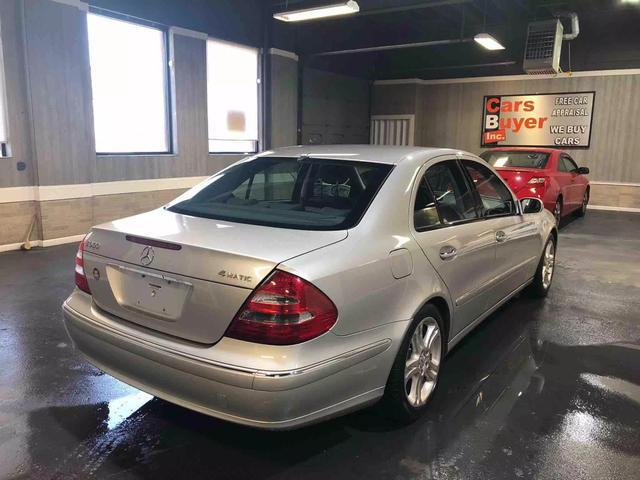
186	276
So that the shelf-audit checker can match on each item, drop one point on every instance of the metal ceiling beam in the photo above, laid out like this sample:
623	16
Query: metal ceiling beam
381	48
457	67
413	6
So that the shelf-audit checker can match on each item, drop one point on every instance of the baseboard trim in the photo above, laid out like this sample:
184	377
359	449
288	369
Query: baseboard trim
45	193
51	242
615	209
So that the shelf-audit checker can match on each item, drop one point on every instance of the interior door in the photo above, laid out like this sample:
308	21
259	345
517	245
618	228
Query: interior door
459	245
517	240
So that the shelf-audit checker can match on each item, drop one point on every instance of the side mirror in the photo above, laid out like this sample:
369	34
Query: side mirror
531	205
583	171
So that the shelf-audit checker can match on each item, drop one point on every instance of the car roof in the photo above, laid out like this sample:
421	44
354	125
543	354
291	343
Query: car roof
363	153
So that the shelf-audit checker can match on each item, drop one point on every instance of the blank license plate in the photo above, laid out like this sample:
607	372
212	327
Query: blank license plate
153	294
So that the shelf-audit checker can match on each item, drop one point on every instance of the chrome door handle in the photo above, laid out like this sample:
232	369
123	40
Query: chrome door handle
500	236
448	252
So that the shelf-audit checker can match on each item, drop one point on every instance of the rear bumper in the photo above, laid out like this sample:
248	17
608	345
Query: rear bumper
260	398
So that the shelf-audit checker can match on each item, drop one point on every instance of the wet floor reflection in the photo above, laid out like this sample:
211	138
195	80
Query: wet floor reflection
540	390
509	405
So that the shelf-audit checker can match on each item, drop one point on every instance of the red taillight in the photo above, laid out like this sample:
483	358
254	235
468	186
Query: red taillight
285	309
81	278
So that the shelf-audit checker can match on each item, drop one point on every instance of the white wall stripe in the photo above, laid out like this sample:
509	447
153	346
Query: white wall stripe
508	78
617	184
615	209
84	190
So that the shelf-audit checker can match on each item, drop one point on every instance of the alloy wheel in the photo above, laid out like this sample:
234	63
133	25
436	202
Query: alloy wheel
557	212
548	264
585	202
422	362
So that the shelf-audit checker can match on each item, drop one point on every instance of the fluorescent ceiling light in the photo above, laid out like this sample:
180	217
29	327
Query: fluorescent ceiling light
488	42
335	10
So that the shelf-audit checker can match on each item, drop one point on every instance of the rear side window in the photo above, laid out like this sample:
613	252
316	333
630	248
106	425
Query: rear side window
495	197
452	195
308	194
425	213
516	159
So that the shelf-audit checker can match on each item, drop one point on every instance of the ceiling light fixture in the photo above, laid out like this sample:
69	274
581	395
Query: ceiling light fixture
488	42
344	8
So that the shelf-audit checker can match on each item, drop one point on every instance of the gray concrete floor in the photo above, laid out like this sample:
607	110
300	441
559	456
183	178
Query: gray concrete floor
542	389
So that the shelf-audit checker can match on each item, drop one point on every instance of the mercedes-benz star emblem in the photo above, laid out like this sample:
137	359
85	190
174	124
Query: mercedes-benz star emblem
147	256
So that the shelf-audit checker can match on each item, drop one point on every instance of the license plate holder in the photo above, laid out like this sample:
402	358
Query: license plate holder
150	293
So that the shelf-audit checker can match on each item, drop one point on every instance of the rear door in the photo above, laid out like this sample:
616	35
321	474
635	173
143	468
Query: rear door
516	236
459	245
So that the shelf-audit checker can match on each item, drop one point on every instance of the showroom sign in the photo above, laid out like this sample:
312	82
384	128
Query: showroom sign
547	120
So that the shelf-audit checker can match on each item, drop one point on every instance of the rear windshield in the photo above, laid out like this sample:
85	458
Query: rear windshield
518	159
299	193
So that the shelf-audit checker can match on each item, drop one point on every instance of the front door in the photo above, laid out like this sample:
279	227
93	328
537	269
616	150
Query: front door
459	245
516	236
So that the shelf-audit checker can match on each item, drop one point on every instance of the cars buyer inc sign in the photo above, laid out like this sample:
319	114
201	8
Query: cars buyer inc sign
547	120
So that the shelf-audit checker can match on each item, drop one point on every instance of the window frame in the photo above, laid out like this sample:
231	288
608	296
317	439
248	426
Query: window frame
260	108
167	79
476	198
5	149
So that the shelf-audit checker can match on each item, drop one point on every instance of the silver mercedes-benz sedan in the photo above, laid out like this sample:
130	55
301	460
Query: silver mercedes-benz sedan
305	282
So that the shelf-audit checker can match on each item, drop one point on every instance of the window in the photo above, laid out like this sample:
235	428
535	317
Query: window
129	79
453	196
516	159
425	213
392	130
565	164
232	97
4	130
309	194
495	196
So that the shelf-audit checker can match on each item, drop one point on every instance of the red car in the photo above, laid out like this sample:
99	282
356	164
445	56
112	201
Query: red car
545	173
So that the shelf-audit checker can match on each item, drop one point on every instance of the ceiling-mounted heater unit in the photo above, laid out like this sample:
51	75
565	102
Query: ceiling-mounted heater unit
542	52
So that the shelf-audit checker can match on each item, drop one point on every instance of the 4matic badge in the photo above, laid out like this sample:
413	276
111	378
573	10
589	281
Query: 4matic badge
235	276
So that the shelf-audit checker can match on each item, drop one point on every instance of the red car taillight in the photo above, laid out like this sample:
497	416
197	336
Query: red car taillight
285	309
81	278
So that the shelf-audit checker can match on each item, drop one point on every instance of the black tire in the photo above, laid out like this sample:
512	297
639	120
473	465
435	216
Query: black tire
557	212
395	403
581	212
539	287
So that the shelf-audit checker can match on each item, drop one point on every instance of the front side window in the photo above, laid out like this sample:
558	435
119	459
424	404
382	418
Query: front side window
129	77
454	198
569	165
494	195
515	159
307	194
232	97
